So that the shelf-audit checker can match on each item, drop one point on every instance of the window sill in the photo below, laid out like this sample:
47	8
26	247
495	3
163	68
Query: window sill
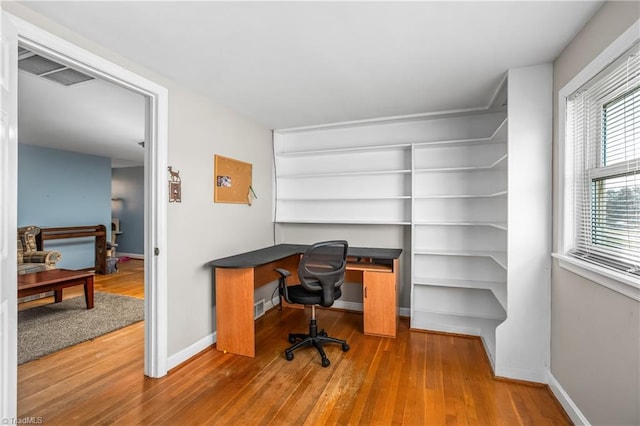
612	280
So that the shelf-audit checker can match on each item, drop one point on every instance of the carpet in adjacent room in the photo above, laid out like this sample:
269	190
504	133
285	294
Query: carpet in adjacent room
47	329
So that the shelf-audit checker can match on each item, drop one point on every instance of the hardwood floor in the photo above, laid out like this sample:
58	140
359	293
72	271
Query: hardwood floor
420	378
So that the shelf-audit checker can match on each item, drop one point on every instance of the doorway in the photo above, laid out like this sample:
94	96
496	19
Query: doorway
155	165
80	163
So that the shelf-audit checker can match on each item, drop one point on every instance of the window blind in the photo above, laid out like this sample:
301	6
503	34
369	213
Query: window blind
603	126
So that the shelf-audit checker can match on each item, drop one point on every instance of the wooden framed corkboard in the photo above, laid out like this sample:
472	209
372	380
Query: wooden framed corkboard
232	180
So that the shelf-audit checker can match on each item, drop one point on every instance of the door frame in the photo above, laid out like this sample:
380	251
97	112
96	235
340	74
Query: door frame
155	169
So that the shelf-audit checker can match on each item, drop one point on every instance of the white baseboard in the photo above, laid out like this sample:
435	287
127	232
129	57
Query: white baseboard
567	403
349	306
190	351
357	307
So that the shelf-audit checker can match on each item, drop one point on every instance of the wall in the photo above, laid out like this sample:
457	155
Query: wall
198	229
61	188
127	204
595	332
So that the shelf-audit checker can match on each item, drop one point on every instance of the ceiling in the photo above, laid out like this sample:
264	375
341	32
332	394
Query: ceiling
292	64
94	117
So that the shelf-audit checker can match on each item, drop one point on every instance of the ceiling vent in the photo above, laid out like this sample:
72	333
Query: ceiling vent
51	70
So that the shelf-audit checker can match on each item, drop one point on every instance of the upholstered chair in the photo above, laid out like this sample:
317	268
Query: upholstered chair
30	258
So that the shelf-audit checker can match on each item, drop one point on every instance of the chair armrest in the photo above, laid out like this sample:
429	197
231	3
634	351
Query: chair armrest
283	272
282	284
48	257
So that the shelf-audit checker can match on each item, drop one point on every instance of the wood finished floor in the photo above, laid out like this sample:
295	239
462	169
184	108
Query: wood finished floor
419	378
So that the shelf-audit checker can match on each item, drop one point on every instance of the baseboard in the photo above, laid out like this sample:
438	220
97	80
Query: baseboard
348	306
567	403
357	307
521	374
190	351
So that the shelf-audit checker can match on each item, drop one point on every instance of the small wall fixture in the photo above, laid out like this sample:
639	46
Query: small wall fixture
175	190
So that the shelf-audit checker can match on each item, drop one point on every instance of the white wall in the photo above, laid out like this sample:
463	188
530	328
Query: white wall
595	332
522	340
198	229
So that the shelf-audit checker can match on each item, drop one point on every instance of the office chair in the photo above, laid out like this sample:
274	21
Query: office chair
321	272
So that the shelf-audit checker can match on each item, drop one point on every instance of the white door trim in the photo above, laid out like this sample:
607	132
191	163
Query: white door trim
8	222
156	197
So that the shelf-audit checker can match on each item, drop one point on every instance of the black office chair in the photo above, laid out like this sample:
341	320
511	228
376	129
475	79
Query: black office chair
321	272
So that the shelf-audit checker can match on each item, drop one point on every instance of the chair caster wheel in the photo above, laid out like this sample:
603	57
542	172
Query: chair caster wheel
325	362
292	339
345	347
322	333
288	356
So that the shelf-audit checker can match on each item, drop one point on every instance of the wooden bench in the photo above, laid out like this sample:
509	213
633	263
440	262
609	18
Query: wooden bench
97	231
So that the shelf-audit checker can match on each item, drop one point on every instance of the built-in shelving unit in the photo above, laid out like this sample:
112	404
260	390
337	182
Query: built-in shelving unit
471	192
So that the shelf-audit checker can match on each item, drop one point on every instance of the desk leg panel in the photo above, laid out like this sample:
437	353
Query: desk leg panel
235	328
380	310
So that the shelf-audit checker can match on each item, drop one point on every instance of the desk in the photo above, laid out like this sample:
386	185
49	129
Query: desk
236	278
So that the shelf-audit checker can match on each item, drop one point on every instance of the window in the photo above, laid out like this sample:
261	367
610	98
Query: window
603	137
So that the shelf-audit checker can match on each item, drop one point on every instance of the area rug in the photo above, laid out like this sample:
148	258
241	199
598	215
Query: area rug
47	329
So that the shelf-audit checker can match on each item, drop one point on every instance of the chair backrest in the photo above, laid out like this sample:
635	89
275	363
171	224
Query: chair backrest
27	235
322	268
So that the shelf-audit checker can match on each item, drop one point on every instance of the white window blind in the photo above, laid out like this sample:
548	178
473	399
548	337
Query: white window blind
603	126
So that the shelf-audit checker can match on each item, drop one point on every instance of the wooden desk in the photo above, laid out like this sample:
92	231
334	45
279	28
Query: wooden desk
55	280
236	278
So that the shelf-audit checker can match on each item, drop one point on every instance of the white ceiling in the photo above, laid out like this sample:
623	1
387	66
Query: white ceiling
292	64
95	117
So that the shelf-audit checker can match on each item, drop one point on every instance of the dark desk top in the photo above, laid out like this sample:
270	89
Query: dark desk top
280	251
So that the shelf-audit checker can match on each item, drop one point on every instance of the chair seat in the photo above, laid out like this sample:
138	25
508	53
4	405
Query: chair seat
298	294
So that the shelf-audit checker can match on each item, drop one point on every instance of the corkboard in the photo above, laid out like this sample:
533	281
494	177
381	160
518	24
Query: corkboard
231	180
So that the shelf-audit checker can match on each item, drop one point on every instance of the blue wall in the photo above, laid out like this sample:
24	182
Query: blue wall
62	188
127	190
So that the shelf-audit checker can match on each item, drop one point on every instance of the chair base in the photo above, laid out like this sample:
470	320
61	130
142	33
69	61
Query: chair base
316	339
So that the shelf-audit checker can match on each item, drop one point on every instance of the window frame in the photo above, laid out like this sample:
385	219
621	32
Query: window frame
617	281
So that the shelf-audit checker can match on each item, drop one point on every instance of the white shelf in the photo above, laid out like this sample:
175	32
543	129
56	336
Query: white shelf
454	142
498	136
498	194
338	221
498	288
500	162
346	173
499	257
458	301
497	225
341	151
399	197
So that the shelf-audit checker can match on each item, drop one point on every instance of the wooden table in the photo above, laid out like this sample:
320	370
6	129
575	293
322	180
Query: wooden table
55	280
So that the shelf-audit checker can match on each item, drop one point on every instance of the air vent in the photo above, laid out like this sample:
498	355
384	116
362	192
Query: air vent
38	65
51	70
67	77
258	309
